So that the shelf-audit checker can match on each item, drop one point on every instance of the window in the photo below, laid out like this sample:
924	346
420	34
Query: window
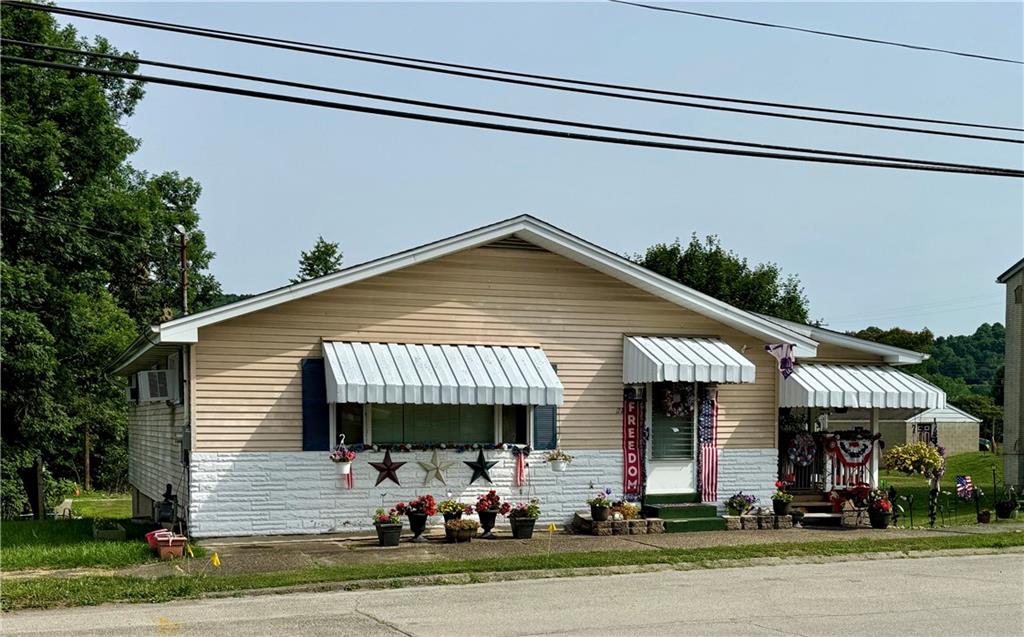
1018	294
673	421
514	424
425	424
430	424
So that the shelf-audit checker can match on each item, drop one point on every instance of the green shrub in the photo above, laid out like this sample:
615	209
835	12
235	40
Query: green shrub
916	458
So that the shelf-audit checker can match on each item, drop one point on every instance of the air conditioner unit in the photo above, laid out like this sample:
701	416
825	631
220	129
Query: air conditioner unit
155	385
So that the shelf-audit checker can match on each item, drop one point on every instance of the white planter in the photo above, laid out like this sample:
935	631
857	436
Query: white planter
559	466
344	468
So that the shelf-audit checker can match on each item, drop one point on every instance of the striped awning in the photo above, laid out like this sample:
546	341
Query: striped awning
408	373
813	385
650	359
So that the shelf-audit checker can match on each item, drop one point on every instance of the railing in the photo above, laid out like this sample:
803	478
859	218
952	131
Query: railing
825	473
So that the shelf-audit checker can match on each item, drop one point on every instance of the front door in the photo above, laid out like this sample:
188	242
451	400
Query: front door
672	421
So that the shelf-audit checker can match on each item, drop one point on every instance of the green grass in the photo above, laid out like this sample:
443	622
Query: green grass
99	504
48	544
89	590
977	464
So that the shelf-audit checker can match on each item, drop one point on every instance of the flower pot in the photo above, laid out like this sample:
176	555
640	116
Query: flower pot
344	468
448	517
388	534
487	519
735	512
984	517
522	528
464	535
781	507
599	514
1006	509
879	519
450	535
417	524
559	466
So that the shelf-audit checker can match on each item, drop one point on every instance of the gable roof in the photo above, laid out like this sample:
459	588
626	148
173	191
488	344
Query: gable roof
949	413
1014	269
889	354
186	328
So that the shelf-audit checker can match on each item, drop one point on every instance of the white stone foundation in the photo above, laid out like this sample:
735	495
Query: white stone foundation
752	471
273	493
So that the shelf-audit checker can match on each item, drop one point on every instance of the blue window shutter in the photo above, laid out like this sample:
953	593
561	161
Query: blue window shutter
545	427
316	423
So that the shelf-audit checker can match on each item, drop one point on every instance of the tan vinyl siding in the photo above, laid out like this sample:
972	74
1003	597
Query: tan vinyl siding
248	388
154	449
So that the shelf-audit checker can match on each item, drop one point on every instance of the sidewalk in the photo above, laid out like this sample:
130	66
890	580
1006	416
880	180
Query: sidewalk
282	553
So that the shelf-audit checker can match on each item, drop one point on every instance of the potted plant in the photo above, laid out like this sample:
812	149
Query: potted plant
920	458
600	505
488	506
879	509
462	530
418	510
558	459
781	499
739	503
523	516
1007	507
389	527
453	509
343	457
984	516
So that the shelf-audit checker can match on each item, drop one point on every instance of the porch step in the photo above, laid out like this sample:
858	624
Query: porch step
671	498
694	524
680	511
823	519
809	505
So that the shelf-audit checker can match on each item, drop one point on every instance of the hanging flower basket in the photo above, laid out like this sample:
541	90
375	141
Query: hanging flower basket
559	466
558	460
344	468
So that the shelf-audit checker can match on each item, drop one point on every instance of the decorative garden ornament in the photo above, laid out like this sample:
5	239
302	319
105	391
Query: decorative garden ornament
435	469
481	467
387	470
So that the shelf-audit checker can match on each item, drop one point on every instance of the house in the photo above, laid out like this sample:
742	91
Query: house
513	336
953	429
1013	380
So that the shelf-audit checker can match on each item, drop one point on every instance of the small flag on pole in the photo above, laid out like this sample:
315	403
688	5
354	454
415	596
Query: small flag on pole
964	487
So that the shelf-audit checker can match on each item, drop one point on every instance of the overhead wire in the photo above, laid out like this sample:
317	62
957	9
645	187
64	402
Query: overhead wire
991	171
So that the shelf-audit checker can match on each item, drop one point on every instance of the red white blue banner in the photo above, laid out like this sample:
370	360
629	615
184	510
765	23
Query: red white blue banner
632	449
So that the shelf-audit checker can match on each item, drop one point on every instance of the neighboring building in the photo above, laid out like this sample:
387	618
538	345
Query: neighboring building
511	336
953	429
1013	380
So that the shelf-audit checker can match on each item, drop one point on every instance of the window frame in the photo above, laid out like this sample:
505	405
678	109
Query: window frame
696	415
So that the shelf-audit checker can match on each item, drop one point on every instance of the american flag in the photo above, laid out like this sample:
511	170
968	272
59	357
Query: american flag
707	436
964	486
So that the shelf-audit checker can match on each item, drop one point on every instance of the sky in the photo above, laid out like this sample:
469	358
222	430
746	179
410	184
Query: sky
871	246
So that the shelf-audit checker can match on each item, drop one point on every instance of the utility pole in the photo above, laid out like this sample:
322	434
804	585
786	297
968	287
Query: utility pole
183	237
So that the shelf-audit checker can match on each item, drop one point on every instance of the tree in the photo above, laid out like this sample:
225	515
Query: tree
324	258
87	253
709	268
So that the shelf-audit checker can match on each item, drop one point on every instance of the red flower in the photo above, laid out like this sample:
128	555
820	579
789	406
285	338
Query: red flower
400	507
505	508
779	484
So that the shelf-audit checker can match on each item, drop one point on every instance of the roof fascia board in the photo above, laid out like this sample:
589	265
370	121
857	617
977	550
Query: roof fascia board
1006	276
185	329
142	344
614	265
889	353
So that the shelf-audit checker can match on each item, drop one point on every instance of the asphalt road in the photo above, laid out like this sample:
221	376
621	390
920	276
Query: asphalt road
968	595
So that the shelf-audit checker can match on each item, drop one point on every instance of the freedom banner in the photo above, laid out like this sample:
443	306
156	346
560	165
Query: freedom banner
632	460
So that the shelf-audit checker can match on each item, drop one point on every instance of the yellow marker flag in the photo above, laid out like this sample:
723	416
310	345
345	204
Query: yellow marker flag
188	548
215	560
552	528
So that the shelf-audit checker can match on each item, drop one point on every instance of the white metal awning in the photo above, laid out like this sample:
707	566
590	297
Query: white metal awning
853	386
439	374
650	359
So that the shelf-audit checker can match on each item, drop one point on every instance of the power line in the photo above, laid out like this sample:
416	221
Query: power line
476	111
83	226
993	171
624	87
816	32
393	61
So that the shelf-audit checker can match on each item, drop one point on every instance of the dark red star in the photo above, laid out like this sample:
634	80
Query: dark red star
387	469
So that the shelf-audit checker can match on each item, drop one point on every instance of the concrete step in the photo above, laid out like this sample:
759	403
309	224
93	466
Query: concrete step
680	511
671	498
694	524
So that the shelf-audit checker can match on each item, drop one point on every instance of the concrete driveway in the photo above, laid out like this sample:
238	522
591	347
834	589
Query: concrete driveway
964	595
